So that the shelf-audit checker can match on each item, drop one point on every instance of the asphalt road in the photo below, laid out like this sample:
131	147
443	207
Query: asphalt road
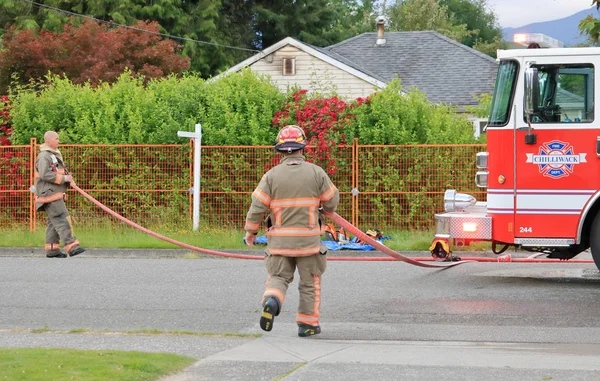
380	320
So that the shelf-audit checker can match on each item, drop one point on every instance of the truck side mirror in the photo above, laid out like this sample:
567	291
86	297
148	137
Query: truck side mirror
532	91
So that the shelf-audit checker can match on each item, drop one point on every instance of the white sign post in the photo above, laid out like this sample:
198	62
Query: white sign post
197	137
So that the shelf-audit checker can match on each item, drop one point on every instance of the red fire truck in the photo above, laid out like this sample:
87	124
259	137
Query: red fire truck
542	165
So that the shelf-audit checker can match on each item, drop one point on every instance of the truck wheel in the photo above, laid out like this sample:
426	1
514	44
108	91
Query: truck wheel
595	240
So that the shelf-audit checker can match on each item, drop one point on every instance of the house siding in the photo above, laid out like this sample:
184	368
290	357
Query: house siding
312	74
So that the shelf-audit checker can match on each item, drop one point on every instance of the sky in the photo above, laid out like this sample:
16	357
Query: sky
516	13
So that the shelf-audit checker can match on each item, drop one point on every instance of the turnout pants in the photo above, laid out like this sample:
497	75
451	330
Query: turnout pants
281	273
59	228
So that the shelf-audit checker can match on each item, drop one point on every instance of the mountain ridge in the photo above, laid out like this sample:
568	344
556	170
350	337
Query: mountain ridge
564	29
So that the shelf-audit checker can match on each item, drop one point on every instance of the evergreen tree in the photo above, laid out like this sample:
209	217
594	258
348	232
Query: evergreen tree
476	17
465	21
306	20
354	17
235	29
426	15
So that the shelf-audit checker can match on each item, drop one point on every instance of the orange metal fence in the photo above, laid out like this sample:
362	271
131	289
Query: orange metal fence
390	187
402	187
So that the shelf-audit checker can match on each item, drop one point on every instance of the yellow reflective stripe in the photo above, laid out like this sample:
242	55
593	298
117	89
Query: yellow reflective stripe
312	221
262	197
296	252
70	246
52	246
307	317
251	226
293	232
329	194
59	179
61	171
54	197
314	321
317	285
277	214
295	202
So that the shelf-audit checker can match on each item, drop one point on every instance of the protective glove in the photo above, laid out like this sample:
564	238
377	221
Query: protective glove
69	179
250	239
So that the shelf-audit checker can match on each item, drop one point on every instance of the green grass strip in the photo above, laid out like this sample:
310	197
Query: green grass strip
69	364
208	238
147	331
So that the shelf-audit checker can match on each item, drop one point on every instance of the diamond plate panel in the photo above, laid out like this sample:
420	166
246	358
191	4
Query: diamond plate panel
545	242
455	222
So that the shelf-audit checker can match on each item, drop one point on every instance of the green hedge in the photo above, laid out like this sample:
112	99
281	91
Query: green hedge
391	117
233	110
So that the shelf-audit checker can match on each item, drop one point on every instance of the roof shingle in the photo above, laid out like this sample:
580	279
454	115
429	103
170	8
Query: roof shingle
447	71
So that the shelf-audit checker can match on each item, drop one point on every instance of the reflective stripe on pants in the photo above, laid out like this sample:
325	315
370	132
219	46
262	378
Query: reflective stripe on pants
281	273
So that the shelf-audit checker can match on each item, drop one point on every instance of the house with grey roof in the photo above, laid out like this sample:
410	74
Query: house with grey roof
446	71
572	106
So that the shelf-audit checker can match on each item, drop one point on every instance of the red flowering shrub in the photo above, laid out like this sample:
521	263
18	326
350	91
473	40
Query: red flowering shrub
323	122
5	126
13	164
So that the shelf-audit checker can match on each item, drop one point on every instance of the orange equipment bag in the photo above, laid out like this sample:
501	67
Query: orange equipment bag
330	233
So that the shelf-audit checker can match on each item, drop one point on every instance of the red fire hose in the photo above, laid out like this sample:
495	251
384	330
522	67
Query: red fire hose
394	256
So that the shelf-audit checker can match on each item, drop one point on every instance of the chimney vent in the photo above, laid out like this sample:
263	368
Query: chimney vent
380	20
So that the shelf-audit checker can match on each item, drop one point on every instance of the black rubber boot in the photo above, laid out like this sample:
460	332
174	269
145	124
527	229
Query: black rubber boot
305	330
269	311
55	254
76	251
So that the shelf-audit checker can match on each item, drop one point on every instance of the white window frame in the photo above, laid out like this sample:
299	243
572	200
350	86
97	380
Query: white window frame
284	66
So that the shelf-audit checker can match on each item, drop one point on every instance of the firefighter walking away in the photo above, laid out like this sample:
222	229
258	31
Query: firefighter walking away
290	194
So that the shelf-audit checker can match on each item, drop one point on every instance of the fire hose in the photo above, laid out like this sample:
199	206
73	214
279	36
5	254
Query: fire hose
393	255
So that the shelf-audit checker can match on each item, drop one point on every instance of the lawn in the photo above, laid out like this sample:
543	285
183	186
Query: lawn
207	238
69	364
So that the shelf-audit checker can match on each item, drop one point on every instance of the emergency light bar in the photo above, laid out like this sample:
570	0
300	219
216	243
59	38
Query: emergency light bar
543	40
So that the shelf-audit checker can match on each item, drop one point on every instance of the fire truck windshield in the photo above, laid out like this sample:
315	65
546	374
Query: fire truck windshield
503	93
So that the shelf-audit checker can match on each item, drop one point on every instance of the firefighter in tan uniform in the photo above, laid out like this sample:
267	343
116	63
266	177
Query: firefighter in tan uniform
291	194
52	180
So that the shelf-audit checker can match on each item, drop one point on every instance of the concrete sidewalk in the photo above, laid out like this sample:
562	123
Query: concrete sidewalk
277	356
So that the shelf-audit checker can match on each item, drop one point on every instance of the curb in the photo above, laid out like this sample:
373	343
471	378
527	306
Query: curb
152	253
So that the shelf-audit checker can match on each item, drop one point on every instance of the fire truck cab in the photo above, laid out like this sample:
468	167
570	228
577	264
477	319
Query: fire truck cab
542	165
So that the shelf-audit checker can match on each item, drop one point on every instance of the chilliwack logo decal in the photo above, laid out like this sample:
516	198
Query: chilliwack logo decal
556	159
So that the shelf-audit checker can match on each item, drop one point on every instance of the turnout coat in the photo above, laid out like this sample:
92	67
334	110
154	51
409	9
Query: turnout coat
50	176
291	194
